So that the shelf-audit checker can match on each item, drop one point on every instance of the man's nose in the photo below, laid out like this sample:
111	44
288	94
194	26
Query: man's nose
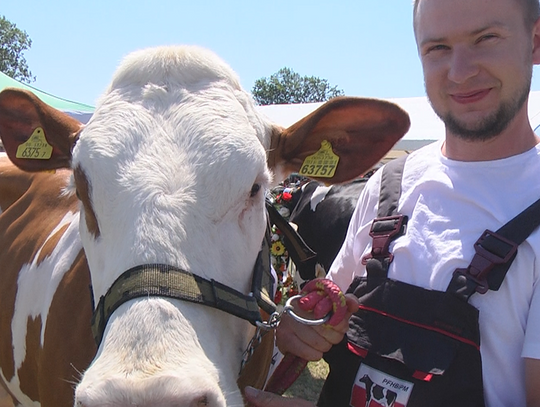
463	65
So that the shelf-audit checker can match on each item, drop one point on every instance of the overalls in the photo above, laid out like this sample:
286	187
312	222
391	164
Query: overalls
410	346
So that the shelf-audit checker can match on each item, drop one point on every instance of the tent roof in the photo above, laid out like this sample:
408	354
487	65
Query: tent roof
80	111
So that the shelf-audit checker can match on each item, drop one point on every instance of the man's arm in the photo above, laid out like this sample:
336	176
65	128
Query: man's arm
532	381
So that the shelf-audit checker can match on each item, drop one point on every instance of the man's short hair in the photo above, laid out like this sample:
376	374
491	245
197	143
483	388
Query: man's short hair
531	11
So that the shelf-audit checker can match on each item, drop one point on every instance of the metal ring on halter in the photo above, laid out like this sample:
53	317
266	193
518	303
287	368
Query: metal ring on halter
289	310
272	322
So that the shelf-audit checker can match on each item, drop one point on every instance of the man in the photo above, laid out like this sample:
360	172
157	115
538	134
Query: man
477	58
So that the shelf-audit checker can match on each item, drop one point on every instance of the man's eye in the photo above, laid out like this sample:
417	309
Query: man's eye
487	37
438	47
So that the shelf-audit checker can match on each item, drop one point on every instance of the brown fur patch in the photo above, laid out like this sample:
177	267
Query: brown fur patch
14	183
51	244
69	346
83	189
27	373
6	400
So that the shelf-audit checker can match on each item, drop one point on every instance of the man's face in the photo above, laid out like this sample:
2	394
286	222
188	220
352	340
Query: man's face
477	60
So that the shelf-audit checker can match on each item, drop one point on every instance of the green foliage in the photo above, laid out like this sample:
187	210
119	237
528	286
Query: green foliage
13	42
286	86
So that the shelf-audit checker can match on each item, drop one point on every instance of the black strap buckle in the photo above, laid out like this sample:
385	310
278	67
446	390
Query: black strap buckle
383	231
499	250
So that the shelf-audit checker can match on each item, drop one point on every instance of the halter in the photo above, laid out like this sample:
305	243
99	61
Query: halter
162	280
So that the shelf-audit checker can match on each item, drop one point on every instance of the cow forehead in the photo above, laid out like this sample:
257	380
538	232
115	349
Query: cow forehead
176	111
170	157
187	147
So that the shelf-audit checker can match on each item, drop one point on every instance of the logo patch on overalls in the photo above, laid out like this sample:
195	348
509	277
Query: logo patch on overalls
373	388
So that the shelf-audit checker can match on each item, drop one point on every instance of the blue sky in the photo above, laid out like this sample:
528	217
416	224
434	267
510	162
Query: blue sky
365	47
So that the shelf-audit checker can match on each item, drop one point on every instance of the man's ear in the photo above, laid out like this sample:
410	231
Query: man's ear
536	42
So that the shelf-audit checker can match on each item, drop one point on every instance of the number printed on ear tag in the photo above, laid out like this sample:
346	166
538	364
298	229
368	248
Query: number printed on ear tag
36	147
322	164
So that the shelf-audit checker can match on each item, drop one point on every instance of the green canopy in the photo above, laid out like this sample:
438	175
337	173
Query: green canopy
80	111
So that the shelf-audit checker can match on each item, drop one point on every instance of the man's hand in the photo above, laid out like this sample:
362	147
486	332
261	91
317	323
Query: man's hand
532	378
259	398
310	342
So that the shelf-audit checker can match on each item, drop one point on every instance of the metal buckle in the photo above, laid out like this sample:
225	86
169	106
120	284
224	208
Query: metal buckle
383	238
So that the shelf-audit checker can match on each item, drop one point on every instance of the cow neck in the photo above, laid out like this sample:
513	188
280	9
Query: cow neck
161	280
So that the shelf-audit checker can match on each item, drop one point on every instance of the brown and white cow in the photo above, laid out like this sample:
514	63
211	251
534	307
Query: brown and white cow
171	169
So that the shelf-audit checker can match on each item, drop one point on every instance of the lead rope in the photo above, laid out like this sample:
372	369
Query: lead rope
326	301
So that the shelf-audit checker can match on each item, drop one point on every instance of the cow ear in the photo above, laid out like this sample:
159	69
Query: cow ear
359	131
36	136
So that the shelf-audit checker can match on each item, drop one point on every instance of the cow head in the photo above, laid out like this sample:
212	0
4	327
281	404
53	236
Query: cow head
172	169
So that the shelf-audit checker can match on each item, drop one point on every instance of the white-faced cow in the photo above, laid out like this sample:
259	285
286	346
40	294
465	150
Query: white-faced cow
161	192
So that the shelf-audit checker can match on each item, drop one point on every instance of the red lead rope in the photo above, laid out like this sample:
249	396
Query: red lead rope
320	297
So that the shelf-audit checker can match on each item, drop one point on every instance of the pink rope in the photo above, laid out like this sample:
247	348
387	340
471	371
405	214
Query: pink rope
320	296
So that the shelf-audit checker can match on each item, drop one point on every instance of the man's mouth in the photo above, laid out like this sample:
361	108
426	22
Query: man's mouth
470	97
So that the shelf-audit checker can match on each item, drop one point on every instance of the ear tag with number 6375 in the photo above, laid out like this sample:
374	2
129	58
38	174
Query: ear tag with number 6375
36	147
322	164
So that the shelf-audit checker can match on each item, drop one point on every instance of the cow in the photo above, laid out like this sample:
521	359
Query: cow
377	393
127	246
322	214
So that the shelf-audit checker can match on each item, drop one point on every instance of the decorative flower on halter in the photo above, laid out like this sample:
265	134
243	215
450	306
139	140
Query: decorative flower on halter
277	248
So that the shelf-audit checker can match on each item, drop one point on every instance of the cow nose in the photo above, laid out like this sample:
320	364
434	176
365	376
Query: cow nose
200	401
197	401
163	392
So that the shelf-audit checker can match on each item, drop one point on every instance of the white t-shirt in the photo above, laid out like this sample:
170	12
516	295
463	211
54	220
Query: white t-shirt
450	204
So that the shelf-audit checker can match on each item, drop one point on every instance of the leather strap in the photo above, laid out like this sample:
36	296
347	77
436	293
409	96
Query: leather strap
389	224
495	252
161	280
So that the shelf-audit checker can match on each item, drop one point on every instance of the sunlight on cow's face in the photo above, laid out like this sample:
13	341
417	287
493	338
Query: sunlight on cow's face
161	181
173	174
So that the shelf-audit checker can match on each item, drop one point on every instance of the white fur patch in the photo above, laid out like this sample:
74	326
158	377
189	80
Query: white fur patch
37	284
318	196
172	155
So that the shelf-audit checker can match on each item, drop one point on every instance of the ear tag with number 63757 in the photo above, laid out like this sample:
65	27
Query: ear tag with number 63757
36	147
322	164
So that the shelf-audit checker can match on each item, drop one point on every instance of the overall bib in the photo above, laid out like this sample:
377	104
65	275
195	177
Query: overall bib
410	346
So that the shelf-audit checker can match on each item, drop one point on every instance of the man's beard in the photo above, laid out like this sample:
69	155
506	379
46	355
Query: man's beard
492	125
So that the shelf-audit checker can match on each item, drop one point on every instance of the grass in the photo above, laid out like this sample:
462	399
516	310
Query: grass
309	384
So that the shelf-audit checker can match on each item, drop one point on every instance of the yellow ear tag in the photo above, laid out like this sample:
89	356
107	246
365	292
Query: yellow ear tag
36	147
322	164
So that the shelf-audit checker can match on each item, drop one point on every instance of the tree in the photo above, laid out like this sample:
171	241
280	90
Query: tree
286	86
13	42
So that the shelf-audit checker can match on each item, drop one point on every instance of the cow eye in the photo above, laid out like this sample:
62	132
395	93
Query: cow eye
254	189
